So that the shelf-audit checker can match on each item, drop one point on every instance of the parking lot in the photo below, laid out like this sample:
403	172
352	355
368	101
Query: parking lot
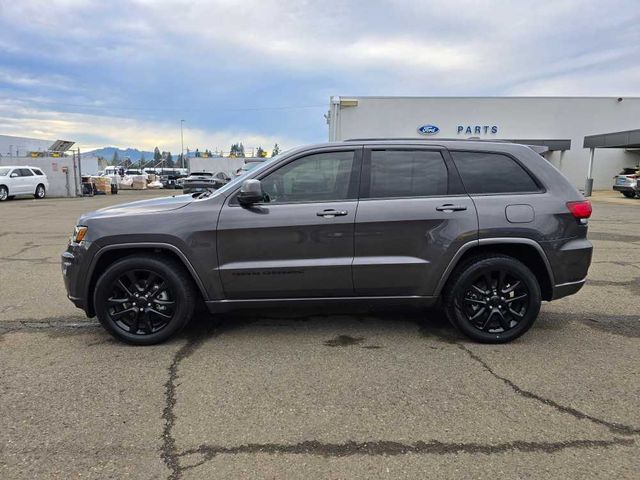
395	394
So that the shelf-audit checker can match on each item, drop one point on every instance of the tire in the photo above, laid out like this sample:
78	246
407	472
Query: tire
513	296
159	285
4	193
41	192
629	194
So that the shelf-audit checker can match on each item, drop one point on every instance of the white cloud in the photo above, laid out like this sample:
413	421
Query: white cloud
94	131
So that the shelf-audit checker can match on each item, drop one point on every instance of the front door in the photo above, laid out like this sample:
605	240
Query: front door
413	216
298	242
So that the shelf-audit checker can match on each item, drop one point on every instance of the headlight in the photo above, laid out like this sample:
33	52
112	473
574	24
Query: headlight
78	233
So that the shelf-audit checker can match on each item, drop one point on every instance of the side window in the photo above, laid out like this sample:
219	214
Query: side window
492	173
37	171
407	173
315	178
25	172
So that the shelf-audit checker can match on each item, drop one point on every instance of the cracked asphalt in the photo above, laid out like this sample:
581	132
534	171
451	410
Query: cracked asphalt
393	394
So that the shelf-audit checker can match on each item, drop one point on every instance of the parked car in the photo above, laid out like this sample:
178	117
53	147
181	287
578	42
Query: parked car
486	230
628	183
199	182
22	180
249	164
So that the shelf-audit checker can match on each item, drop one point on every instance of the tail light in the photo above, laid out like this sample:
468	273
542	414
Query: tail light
580	210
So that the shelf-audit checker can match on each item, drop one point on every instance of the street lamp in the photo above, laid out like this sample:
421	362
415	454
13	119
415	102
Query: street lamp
182	142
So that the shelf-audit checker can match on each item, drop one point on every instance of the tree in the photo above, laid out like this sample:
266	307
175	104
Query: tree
115	160
260	152
142	160
275	151
237	150
157	156
169	161
197	153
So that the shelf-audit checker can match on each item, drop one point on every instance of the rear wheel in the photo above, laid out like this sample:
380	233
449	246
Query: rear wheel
493	299
144	299
40	191
629	194
4	193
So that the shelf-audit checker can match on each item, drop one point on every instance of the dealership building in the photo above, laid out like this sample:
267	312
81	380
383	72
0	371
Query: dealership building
584	137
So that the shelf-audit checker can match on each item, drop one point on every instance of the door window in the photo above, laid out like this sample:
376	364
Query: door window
25	172
407	173
319	177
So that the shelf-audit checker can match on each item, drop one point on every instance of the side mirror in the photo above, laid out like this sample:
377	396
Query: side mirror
250	192
13	175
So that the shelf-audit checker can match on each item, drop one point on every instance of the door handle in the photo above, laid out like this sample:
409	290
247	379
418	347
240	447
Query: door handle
330	213
449	207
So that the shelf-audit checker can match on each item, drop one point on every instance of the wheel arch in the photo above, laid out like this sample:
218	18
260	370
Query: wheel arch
525	250
109	254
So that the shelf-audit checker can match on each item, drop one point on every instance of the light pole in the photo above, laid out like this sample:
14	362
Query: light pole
182	142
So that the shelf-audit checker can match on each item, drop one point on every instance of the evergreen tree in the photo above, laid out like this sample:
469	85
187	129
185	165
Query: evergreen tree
142	161
260	152
275	151
169	161
157	156
115	159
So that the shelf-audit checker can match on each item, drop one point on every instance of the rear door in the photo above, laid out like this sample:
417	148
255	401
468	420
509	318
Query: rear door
299	241
27	181
412	217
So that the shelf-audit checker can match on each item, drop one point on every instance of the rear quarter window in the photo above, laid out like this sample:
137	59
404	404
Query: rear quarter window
487	173
37	171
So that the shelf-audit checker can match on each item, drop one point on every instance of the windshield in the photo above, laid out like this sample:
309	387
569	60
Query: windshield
4	172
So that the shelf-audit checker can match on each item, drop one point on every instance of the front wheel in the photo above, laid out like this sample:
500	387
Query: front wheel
144	299
4	193
629	194
493	299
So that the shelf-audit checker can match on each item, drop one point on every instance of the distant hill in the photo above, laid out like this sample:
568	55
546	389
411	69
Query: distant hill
107	152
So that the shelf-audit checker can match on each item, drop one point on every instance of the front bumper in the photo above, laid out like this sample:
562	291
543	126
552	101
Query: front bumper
71	274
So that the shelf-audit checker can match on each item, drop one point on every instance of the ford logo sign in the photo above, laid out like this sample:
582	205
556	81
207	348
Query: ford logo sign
428	129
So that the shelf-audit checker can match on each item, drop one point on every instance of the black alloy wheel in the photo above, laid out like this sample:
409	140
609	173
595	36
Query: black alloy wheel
495	301
144	299
493	298
141	302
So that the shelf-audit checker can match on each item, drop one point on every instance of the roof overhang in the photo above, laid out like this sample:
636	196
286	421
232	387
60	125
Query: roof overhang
551	144
625	139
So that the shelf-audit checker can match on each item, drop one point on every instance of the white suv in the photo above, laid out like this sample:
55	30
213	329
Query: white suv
22	180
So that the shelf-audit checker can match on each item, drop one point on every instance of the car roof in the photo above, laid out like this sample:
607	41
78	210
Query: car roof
19	166
449	143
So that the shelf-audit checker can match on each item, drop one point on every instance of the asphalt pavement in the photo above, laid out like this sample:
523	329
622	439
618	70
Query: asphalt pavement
294	394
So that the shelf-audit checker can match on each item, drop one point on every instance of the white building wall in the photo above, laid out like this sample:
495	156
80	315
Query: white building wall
515	118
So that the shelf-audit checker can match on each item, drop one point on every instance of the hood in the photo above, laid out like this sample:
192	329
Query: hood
153	205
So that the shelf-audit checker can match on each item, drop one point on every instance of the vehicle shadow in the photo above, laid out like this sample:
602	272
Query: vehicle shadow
428	324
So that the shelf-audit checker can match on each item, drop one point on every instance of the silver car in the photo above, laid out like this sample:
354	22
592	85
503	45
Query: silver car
627	183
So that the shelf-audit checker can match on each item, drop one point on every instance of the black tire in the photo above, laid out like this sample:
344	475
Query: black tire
41	192
508	305
161	283
629	194
4	193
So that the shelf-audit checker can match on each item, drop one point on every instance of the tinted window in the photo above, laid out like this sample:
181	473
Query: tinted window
492	173
314	178
407	173
25	172
37	171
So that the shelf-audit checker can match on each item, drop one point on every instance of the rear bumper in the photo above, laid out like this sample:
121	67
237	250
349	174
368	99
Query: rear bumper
566	289
625	188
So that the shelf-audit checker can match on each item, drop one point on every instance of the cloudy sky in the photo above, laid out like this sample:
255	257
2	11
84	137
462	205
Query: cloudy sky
125	73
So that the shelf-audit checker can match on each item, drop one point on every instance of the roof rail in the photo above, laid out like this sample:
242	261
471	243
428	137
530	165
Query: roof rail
435	139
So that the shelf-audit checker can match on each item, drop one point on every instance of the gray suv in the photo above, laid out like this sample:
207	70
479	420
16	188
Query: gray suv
485	230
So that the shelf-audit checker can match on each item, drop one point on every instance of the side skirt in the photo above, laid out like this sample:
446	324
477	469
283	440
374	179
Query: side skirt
219	306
